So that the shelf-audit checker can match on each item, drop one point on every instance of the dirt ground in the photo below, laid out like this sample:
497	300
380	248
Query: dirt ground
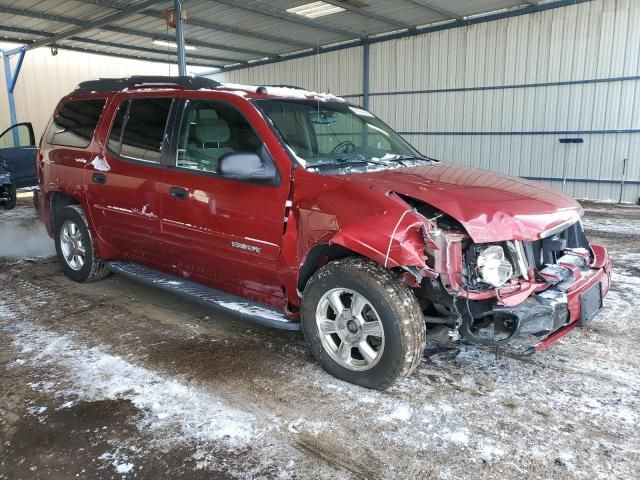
116	380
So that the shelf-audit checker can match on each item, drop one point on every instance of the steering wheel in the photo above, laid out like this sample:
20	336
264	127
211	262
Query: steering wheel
346	146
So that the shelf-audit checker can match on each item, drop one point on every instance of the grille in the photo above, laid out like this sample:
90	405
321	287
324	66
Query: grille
546	251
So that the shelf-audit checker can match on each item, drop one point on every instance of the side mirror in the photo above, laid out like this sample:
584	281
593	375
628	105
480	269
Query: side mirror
248	167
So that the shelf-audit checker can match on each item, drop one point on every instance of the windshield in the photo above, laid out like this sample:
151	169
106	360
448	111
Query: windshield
336	134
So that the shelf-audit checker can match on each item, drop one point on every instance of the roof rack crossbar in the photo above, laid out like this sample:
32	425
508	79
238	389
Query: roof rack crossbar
293	87
137	81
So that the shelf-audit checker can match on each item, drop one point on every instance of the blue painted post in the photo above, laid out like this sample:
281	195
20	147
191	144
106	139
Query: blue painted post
182	62
11	83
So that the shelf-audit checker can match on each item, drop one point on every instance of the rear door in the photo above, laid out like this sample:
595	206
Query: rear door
18	149
124	183
227	233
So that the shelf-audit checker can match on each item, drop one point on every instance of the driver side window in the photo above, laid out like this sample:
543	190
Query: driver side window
210	130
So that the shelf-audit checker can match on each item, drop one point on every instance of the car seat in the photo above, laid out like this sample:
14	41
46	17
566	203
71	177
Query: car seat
211	135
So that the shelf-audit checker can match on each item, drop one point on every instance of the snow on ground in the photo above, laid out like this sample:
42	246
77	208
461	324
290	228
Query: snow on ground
177	411
216	398
22	238
612	225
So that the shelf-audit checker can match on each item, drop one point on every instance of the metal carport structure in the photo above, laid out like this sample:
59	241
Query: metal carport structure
227	35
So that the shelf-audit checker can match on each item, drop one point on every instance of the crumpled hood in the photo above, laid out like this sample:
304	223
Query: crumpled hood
491	206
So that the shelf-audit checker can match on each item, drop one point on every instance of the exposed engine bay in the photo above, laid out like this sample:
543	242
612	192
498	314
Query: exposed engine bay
492	293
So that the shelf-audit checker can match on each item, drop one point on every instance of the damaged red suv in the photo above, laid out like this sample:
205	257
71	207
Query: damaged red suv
298	210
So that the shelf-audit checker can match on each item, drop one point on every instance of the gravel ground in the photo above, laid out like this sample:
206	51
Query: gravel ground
116	380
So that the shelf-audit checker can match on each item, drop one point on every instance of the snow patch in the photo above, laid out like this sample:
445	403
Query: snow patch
460	437
180	411
285	92
401	413
119	461
100	164
252	310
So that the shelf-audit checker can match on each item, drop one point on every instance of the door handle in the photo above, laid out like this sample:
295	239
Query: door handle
99	178
179	193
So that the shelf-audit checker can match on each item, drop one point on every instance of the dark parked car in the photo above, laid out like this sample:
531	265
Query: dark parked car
298	210
17	162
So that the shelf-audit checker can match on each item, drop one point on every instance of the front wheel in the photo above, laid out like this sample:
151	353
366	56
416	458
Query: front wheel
362	325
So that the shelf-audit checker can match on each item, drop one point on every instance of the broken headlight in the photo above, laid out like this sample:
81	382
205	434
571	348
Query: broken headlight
493	266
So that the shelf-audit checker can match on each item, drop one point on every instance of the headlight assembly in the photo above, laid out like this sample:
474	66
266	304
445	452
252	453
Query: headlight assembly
493	267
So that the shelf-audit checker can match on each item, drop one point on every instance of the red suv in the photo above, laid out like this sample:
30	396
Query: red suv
298	210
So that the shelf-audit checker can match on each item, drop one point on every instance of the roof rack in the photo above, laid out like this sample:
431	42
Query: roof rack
284	86
137	81
263	88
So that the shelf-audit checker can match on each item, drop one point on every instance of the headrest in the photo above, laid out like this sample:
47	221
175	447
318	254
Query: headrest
212	130
207	113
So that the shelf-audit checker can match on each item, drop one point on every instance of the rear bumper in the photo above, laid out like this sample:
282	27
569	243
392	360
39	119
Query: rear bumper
572	302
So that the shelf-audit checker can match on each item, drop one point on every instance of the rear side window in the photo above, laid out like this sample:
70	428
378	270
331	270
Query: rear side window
138	128
75	124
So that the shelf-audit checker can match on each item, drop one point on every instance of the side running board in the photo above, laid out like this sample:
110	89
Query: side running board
238	307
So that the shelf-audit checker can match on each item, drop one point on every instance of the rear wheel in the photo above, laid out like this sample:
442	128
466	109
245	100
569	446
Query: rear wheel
75	247
362	325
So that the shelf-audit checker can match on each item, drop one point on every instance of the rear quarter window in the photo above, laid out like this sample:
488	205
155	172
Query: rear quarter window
75	124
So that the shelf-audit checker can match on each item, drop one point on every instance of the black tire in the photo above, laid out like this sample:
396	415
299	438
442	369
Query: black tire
397	308
93	268
10	203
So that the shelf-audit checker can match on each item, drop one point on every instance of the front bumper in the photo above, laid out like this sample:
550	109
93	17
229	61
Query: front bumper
572	301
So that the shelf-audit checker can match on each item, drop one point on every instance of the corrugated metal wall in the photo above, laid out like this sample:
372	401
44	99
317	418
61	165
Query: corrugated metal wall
337	72
45	79
477	121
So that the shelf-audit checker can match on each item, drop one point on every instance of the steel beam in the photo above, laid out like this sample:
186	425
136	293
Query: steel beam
182	62
442	11
289	17
127	31
217	62
121	55
211	25
92	25
368	14
365	75
421	30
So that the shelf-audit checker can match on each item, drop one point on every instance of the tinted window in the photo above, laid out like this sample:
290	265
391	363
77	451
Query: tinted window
74	125
115	136
210	130
144	128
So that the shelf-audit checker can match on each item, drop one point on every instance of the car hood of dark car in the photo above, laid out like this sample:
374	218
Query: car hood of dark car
491	206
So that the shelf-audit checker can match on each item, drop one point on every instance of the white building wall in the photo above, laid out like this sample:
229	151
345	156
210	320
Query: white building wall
504	128
45	79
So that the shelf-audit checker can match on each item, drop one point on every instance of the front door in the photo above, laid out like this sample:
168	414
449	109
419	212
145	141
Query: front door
227	233
124	183
18	149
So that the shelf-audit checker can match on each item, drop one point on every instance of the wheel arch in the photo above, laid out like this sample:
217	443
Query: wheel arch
56	202
320	255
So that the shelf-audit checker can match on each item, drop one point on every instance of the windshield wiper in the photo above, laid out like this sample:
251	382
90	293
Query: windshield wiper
400	158
357	157
348	160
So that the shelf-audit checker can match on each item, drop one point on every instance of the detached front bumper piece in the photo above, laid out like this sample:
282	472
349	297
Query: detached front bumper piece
583	300
542	313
